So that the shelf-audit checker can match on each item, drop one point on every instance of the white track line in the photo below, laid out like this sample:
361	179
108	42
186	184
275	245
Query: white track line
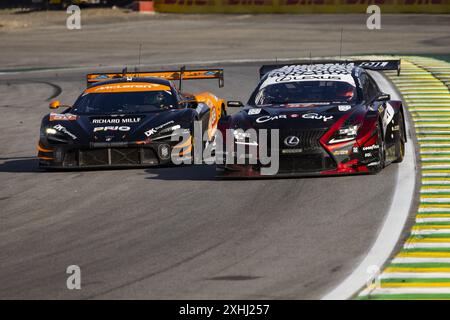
394	221
422	220
416	245
424	199
425	210
434	182
430	231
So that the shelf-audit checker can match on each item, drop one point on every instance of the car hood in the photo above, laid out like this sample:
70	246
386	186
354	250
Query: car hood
116	128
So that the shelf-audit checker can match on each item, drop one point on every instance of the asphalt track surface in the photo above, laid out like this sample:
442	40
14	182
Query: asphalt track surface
178	232
171	233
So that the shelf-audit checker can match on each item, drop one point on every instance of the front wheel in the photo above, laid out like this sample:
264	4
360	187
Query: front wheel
400	145
381	149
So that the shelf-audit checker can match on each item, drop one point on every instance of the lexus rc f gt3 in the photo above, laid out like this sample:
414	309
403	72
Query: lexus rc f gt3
331	118
128	119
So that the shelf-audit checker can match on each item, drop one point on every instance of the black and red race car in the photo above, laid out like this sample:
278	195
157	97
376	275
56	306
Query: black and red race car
330	116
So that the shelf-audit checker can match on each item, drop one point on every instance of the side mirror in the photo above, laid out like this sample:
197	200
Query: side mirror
190	103
201	99
235	104
383	97
54	104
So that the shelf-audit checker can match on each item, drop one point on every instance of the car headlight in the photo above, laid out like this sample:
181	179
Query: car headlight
345	134
241	135
44	132
50	131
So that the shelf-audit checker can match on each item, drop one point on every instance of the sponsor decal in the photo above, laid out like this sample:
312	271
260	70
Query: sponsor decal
304	105
290	151
341	152
291	141
374	64
344	108
112	128
388	116
325	69
372	147
255	111
355	150
299	6
395	128
368	155
294	115
154	130
298	78
315	72
128	87
116	120
63	129
316	116
270	118
62	117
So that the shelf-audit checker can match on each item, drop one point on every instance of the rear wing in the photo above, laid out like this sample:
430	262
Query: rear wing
181	74
366	64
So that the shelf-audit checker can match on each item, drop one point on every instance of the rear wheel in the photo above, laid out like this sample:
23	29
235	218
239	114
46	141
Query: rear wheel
400	145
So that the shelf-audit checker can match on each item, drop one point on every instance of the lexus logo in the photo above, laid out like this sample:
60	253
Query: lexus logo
291	141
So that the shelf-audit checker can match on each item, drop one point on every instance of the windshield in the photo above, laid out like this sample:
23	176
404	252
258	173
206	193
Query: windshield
306	91
123	102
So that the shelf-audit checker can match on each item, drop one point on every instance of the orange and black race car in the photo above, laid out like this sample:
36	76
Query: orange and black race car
129	119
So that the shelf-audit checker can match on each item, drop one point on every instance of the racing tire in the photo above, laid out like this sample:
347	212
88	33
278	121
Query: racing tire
400	146
381	150
223	112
